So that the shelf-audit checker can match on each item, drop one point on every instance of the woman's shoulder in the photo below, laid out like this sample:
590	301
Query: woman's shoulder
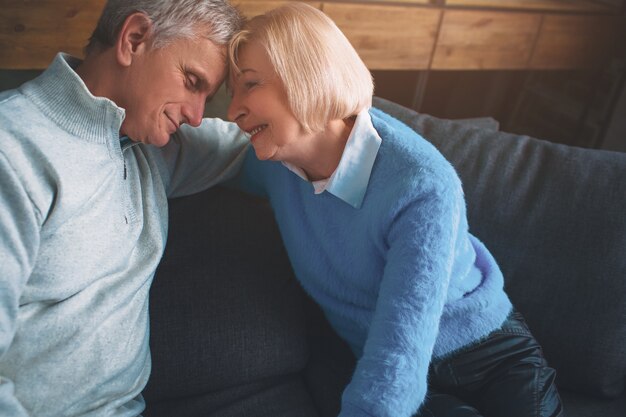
407	156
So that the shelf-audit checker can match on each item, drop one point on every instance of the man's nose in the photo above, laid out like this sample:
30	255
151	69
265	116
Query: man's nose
194	112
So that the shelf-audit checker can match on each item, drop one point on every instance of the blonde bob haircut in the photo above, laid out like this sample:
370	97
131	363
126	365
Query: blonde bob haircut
323	76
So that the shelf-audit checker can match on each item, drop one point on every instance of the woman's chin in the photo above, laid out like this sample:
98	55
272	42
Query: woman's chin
260	155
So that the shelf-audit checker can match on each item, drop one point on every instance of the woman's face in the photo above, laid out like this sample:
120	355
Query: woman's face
260	107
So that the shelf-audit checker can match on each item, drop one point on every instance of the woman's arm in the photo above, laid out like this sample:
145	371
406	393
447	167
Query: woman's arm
251	178
390	379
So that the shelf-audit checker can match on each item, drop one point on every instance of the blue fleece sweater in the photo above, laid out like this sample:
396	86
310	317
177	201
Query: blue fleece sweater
400	278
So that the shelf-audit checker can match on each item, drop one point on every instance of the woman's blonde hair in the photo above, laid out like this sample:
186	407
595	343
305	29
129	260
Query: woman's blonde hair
324	77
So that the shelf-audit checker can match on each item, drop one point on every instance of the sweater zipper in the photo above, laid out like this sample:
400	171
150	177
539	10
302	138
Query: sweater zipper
124	160
125	144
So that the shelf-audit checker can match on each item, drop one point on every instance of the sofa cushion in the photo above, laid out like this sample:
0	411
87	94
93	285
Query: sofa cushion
275	397
581	405
228	324
554	217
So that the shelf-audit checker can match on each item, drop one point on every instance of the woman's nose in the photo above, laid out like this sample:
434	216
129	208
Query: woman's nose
235	110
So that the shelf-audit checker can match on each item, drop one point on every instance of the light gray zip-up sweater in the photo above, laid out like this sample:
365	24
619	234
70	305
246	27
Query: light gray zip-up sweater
83	224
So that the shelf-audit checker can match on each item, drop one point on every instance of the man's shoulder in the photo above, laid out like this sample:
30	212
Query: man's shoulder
12	120
8	95
12	103
25	134
16	109
18	118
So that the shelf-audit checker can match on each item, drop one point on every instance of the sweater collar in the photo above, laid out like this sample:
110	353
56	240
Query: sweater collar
63	96
350	179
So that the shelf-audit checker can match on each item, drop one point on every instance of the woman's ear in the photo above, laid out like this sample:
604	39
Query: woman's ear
133	38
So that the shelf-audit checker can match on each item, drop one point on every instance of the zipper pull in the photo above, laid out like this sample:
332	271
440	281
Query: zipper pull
124	169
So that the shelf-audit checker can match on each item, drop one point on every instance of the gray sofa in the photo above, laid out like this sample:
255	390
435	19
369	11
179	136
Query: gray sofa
233	334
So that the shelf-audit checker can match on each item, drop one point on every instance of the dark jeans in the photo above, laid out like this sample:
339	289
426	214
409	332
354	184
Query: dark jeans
504	375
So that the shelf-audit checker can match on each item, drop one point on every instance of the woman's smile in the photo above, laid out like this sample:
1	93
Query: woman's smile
253	133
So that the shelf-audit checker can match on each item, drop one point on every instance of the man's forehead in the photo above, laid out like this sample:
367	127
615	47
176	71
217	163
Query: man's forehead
200	48
209	62
213	62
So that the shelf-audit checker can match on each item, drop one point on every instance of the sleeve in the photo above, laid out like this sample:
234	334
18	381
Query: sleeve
20	224
251	178
390	379
199	157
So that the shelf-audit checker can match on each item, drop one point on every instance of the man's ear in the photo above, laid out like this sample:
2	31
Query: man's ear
133	38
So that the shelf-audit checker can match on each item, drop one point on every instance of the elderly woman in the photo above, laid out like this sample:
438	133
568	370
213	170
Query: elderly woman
374	222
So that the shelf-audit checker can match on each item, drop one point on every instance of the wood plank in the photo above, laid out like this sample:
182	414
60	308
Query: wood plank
388	37
545	5
251	8
568	42
485	40
32	34
418	2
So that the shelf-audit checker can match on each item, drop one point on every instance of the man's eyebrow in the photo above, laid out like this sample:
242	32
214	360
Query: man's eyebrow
203	83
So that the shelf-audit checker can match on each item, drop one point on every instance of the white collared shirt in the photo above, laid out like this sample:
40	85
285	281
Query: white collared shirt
349	180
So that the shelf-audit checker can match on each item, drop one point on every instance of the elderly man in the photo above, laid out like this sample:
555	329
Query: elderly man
90	153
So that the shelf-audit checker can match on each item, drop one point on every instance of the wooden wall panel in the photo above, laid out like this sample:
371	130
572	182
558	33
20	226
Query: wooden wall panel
551	5
420	2
485	40
252	8
388	37
31	33
577	41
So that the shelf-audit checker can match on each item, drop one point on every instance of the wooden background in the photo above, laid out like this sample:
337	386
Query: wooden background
398	35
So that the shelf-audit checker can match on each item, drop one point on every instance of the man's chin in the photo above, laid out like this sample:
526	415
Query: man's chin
159	142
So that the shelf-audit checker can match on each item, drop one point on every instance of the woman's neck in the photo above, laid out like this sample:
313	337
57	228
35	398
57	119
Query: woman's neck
326	149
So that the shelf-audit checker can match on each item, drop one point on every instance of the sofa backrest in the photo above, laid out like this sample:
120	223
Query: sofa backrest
554	217
227	317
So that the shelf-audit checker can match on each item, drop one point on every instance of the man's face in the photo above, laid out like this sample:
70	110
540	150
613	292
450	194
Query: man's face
167	87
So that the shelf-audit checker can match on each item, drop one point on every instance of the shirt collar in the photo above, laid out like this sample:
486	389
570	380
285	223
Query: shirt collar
350	179
63	96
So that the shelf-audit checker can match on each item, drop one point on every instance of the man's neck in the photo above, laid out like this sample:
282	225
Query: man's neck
97	74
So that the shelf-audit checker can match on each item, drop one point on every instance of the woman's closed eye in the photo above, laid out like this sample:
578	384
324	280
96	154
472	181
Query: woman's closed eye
250	84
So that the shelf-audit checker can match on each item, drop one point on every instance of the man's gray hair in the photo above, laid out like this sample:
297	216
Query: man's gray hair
216	20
